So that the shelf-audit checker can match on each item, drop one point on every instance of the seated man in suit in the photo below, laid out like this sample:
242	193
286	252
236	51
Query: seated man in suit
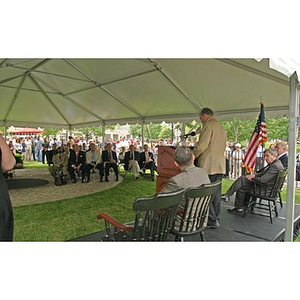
51	153
94	161
131	160
147	161
282	153
60	165
76	163
244	184
109	158
190	176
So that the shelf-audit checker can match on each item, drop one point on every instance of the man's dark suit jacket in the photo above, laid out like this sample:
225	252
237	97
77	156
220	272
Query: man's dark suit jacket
105	155
72	158
127	158
142	161
284	160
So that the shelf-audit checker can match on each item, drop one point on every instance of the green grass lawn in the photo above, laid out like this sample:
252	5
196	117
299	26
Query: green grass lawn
67	219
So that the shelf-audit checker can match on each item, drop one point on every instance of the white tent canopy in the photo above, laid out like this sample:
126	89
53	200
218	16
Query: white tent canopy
86	92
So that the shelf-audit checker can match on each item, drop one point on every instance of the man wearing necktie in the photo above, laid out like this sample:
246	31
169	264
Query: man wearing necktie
77	161
131	162
146	161
94	161
244	184
110	159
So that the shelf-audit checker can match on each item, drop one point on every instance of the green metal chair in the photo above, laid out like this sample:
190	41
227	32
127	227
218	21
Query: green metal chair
192	217
265	198
154	217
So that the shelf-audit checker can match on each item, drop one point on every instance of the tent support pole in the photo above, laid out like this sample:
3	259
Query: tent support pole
172	132
293	134
70	130
5	130
182	129
143	133
103	135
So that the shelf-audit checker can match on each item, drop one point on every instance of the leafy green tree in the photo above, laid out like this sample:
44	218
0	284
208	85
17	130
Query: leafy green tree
152	131
51	131
278	128
239	130
165	132
89	132
135	130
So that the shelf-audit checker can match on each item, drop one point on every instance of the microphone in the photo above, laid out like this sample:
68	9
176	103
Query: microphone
193	133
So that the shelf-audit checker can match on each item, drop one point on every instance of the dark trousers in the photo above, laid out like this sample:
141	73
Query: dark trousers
241	186
109	165
150	166
89	167
72	174
214	209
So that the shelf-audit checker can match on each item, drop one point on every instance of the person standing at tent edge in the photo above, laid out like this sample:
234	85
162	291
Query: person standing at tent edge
209	153
7	162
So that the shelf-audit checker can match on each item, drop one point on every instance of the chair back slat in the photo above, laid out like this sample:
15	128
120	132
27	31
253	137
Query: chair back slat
195	211
155	216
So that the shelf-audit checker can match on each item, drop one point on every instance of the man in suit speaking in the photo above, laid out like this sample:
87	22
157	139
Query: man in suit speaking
209	152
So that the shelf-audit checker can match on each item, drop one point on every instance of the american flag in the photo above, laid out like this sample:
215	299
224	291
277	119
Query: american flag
259	136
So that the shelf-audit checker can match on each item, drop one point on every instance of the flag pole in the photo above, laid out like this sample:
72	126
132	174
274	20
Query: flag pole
263	143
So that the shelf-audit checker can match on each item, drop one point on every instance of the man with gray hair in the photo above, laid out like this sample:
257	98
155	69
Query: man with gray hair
282	153
191	176
244	184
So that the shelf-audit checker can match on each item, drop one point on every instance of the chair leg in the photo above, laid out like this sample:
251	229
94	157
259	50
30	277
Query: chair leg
280	199
202	236
270	211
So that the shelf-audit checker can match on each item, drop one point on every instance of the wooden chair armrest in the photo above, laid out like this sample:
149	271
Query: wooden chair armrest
114	222
180	211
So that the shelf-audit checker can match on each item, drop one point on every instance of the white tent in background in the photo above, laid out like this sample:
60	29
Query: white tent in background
84	92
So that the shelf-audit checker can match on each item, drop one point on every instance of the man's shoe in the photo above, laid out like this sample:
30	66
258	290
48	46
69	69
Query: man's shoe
136	178
214	225
117	179
74	180
101	179
106	179
88	180
235	210
225	198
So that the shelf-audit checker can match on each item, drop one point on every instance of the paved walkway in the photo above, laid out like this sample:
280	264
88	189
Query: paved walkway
50	192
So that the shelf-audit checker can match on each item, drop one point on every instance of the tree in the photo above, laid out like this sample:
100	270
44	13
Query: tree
239	130
165	132
152	131
136	130
89	132
51	131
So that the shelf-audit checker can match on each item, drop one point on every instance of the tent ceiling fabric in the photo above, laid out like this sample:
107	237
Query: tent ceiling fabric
86	92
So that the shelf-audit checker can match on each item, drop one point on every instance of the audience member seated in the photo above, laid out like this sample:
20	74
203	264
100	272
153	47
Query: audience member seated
59	169
282	153
244	184
77	163
51	153
191	176
122	154
109	158
131	162
94	161
147	161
